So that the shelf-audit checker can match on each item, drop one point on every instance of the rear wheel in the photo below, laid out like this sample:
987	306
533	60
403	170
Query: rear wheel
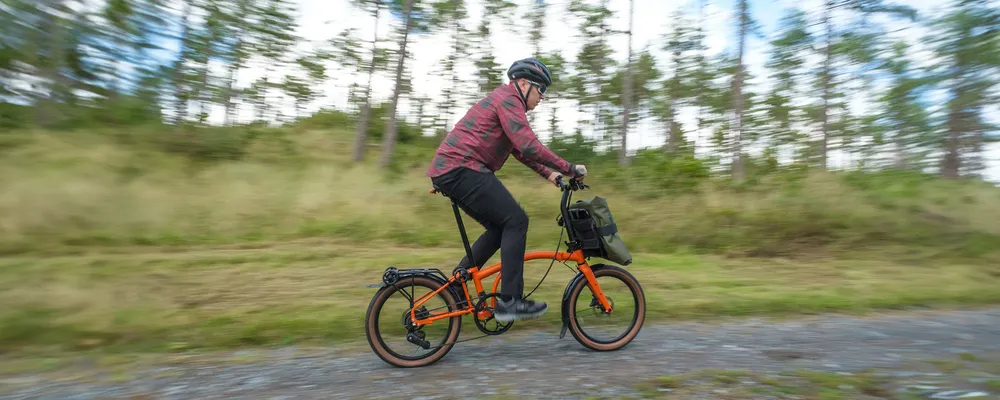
387	323
594	328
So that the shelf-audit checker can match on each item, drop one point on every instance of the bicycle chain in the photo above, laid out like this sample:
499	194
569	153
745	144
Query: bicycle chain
463	277
457	341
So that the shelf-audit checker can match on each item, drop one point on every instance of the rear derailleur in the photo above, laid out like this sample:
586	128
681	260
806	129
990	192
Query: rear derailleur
414	334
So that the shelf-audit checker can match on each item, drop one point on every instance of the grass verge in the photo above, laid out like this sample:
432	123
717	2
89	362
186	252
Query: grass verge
146	299
86	190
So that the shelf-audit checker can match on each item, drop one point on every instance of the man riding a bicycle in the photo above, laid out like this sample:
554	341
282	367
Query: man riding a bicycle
464	165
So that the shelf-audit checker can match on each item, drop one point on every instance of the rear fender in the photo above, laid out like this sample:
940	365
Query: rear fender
392	275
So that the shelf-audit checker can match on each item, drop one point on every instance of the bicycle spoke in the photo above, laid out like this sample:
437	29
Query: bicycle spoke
394	320
599	326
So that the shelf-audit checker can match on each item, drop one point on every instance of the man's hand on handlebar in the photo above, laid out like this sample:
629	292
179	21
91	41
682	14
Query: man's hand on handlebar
555	177
574	183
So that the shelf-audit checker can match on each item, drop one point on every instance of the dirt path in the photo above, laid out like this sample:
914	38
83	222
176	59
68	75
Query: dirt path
913	355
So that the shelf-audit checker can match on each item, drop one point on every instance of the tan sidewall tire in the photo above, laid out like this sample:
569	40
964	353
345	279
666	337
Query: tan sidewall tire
374	339
636	289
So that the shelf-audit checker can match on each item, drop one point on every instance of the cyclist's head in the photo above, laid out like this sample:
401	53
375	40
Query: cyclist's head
531	78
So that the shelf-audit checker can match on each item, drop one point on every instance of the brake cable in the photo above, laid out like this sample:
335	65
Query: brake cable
556	254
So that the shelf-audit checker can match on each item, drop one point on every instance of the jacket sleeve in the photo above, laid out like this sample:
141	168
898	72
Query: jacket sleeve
527	148
537	167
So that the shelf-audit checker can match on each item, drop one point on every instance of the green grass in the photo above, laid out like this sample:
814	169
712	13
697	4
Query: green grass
311	291
84	189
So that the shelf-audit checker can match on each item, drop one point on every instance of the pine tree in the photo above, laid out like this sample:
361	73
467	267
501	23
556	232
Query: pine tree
410	24
627	91
349	54
592	63
738	171
449	14
847	47
968	38
787	61
904	118
680	45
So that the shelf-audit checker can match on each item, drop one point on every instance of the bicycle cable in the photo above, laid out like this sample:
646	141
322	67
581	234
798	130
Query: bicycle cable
555	255
558	245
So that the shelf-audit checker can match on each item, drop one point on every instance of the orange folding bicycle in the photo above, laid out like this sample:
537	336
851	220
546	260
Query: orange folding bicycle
418	316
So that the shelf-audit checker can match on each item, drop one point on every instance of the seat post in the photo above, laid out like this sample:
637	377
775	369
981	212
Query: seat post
465	237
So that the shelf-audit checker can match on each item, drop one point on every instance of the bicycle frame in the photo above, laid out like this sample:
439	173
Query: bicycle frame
477	275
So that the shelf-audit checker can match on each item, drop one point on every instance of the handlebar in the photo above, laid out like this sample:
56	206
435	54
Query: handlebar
572	185
568	190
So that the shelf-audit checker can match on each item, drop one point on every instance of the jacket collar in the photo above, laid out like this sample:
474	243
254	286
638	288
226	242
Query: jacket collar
513	88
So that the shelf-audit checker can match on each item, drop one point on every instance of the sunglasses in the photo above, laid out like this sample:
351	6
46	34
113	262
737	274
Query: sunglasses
541	88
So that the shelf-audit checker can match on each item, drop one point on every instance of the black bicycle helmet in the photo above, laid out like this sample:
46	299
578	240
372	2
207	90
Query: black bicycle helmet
530	69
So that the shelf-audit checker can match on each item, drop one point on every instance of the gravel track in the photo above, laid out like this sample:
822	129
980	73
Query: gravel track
540	365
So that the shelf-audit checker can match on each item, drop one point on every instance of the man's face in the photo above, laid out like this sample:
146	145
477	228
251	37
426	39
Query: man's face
534	93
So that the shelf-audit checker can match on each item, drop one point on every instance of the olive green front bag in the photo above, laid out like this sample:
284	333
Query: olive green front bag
594	227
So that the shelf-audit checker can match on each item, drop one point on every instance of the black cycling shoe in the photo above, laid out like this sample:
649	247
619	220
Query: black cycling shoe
519	309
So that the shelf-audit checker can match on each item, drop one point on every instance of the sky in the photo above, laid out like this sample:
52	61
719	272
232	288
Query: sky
320	20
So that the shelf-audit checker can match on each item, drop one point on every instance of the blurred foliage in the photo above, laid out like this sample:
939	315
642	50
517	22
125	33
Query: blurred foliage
335	119
218	185
155	118
107	66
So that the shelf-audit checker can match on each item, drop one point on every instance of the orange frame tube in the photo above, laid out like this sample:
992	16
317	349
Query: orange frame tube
478	275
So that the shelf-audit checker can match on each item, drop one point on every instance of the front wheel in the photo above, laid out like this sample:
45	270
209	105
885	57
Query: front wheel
586	319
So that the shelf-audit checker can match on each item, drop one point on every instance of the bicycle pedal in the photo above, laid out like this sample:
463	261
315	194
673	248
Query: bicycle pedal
562	332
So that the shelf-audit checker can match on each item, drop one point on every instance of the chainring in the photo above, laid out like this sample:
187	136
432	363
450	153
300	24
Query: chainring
482	305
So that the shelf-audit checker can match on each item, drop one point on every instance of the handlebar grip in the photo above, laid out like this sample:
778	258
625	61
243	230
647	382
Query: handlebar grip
573	185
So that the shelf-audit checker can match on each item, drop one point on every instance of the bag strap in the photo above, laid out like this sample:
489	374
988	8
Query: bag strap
608	229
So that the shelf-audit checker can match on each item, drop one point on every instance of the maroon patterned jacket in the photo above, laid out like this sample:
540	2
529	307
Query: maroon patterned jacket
492	130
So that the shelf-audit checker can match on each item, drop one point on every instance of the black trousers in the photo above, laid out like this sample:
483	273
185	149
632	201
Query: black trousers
485	199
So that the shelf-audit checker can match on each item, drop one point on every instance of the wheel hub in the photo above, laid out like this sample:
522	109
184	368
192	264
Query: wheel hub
598	309
421	313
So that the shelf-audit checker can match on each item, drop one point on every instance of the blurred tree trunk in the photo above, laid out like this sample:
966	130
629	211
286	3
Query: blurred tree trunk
738	168
389	139
627	91
361	138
